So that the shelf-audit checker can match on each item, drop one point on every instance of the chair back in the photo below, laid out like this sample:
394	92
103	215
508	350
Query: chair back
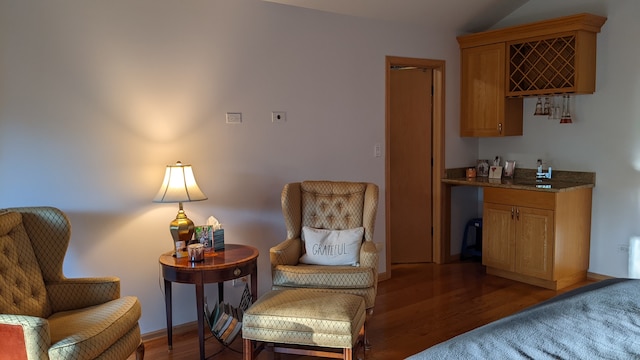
22	287
333	205
50	232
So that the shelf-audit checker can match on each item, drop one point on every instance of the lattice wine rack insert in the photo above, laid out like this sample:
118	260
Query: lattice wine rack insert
547	64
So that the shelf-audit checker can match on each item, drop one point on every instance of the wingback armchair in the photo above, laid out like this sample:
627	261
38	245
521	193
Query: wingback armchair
333	206
43	314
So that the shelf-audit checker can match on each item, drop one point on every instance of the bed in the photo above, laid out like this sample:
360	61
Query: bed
597	321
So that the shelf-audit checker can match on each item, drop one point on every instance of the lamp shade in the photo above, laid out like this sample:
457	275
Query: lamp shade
179	185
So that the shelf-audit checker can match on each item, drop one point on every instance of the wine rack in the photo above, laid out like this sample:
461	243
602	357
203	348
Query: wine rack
546	65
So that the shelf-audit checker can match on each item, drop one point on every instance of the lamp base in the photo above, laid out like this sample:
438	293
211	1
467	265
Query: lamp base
181	229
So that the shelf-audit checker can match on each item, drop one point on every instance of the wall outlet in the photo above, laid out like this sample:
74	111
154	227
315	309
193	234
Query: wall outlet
278	116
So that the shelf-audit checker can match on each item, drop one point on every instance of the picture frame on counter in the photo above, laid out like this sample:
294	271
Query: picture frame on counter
509	168
482	168
495	172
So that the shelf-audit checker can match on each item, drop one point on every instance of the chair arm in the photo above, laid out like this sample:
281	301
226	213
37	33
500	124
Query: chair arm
369	255
70	294
37	338
286	253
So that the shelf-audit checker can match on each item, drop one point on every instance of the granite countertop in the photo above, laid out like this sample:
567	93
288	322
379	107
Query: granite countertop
525	179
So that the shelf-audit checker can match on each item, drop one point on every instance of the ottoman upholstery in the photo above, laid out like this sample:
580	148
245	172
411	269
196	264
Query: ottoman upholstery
305	317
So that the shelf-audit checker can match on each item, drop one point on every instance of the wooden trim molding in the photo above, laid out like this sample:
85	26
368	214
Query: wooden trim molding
191	326
598	277
578	22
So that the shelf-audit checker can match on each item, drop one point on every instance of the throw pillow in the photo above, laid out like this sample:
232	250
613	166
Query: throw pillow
331	247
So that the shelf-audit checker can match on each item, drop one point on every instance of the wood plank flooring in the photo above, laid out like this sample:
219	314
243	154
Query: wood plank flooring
421	305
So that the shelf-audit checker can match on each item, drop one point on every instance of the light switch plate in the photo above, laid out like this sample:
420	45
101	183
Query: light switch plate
234	118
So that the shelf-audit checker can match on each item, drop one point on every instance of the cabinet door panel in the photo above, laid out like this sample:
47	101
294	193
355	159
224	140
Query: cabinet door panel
485	111
482	90
498	236
534	242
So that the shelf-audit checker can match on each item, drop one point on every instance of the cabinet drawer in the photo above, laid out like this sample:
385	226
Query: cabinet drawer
526	198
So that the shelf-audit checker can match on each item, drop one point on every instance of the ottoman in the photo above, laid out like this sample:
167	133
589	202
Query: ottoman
305	322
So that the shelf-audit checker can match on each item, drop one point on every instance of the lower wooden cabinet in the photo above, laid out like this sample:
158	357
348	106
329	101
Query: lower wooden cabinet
541	238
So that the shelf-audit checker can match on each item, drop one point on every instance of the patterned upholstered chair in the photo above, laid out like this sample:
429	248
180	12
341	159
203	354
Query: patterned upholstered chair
333	206
43	314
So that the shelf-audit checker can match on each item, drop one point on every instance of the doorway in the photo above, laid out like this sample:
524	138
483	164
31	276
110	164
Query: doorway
410	164
414	137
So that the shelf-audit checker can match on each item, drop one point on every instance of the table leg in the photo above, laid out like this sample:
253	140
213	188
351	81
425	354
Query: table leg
167	304
220	292
200	309
254	284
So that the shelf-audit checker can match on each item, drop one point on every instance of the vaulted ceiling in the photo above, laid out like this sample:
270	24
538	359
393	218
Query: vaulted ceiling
463	16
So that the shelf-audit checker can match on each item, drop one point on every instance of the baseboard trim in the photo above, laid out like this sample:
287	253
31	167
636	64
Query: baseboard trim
598	277
383	276
178	329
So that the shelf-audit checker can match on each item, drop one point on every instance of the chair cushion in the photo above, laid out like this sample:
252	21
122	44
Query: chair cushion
22	289
305	317
124	347
331	247
87	333
368	294
319	276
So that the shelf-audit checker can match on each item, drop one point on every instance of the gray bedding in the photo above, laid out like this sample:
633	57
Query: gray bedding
598	321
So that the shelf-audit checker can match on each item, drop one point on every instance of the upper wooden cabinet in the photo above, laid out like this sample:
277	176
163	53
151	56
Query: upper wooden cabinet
485	110
548	57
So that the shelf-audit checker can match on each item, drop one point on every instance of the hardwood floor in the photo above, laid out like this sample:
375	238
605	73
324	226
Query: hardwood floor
421	305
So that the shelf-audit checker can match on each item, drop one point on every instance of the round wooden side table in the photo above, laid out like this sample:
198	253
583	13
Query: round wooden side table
234	262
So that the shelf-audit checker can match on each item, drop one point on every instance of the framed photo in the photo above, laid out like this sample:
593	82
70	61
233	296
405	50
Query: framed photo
482	169
509	168
204	235
495	172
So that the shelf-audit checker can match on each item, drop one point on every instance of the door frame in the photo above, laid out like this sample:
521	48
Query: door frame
441	225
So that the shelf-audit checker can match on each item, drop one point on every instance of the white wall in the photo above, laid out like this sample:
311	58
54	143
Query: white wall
605	135
97	97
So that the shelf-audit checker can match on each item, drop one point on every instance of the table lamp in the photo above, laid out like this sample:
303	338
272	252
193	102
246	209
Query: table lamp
179	185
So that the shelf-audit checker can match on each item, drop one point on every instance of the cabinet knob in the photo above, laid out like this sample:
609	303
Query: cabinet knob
518	214
512	213
237	272
500	128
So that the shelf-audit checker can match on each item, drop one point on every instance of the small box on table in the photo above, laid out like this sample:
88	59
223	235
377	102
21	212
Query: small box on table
218	239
